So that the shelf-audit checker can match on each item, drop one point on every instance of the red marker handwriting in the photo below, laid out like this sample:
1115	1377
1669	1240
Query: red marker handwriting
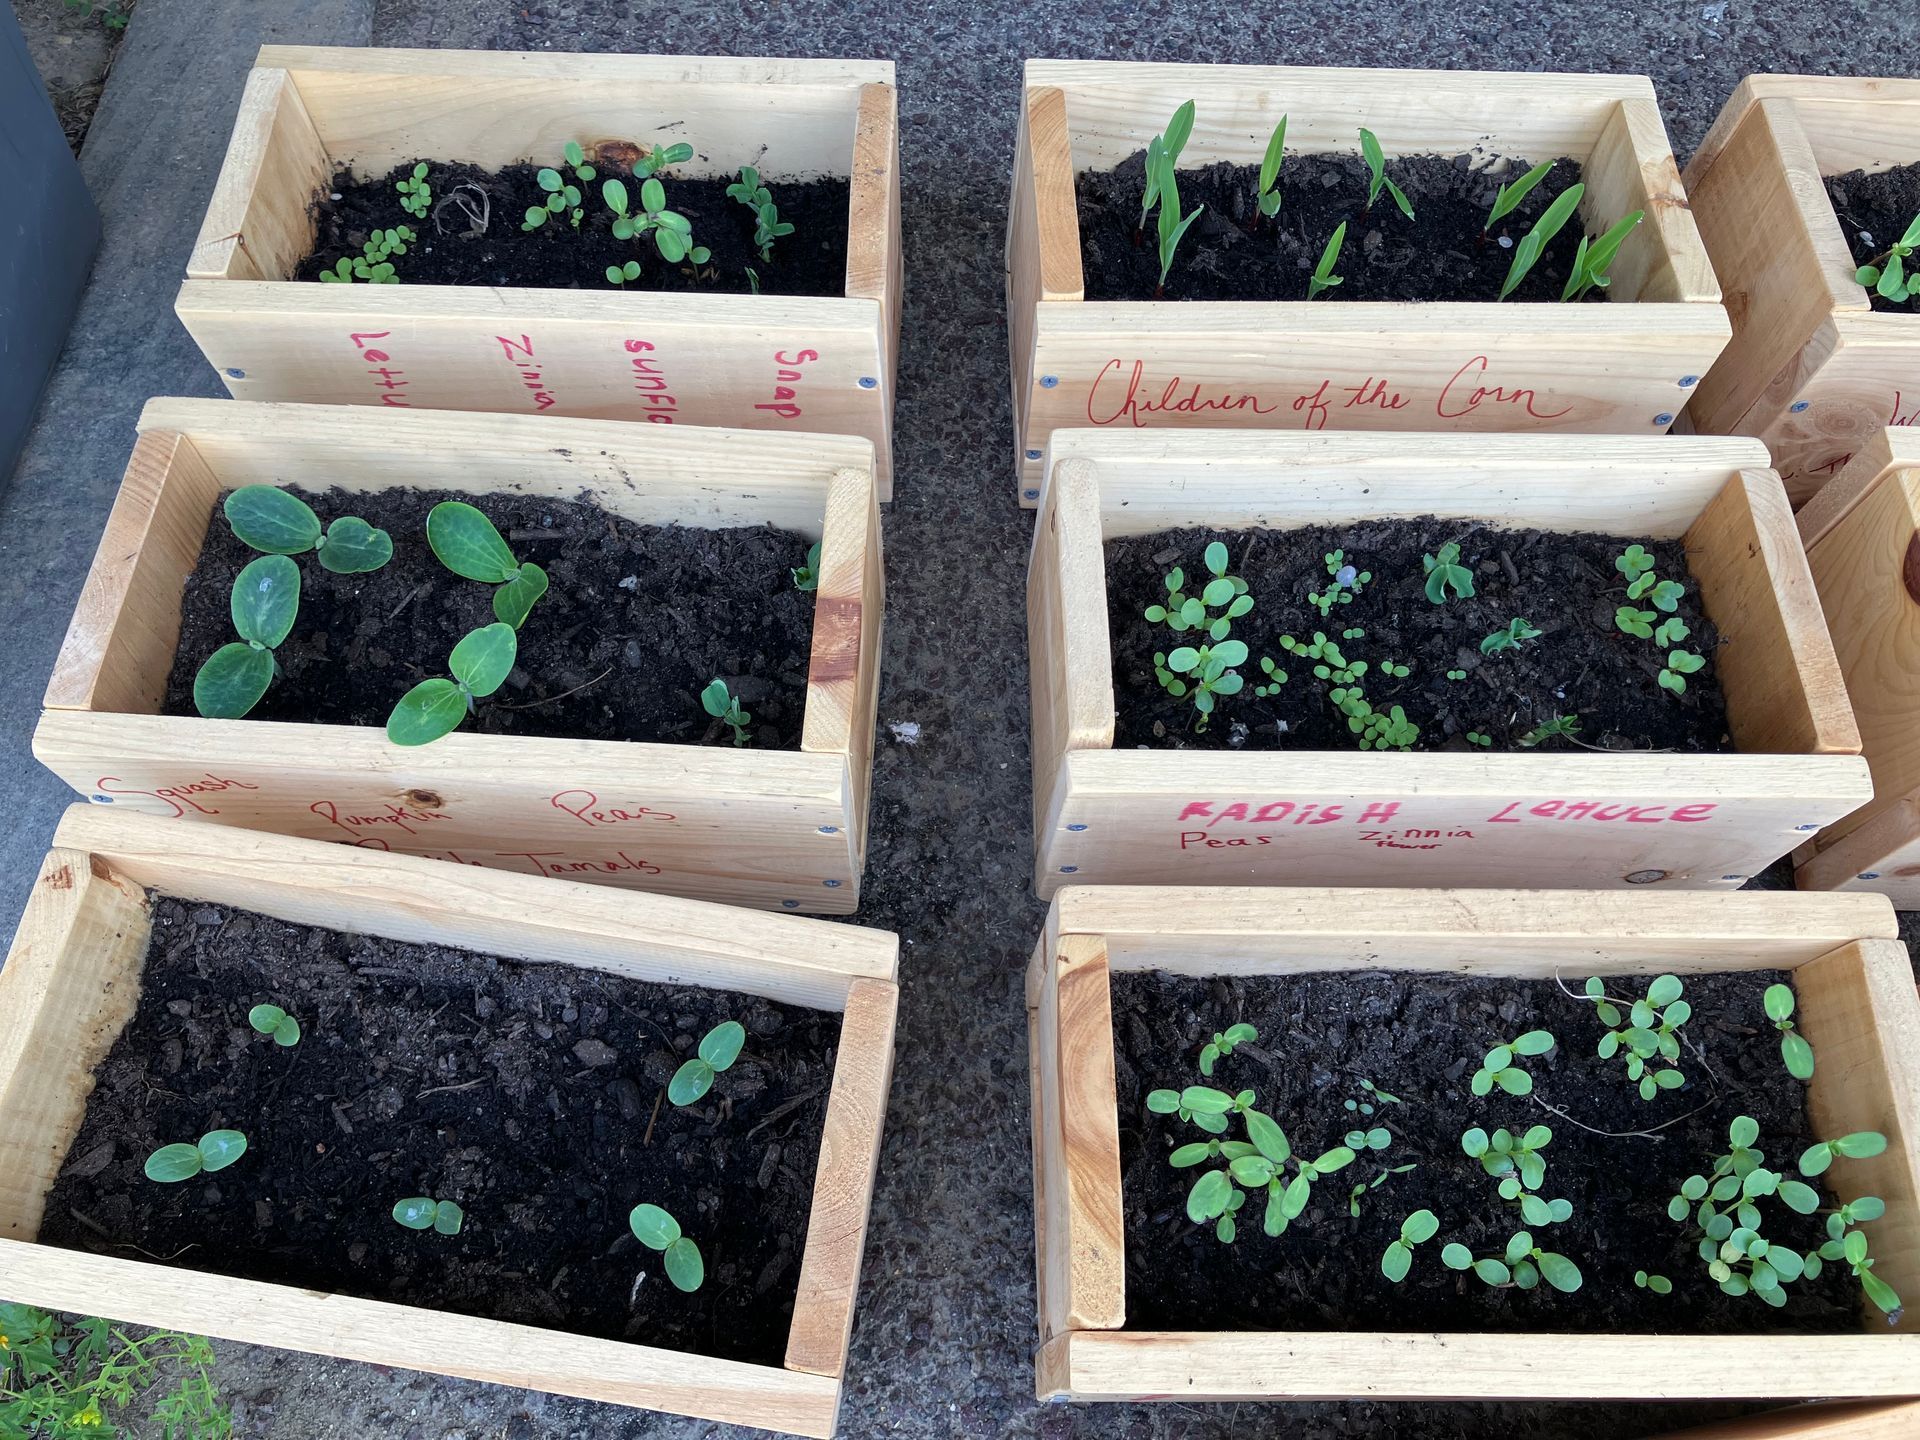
650	383
585	807
178	798
388	378
520	354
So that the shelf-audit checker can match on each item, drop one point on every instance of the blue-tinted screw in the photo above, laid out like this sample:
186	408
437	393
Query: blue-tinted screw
1033	454
1047	382
829	829
1799	405
1806	827
1029	494
1687	381
790	904
103	799
1069	869
1076	828
236	374
867	382
831	884
1663	418
1868	875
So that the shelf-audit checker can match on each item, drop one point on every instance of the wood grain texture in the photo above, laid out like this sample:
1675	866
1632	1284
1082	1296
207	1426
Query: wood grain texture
259	224
1881	855
1089	1157
69	986
1886	450
774	828
1631	167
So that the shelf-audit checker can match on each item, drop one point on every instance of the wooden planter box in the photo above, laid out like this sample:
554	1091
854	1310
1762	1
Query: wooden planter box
757	362
1811	369
70	986
777	828
1862	533
1857	1006
1624	367
1140	816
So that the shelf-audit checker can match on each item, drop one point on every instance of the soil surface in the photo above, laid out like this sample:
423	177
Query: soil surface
637	620
1874	209
530	1094
1421	1039
556	256
1234	253
1565	585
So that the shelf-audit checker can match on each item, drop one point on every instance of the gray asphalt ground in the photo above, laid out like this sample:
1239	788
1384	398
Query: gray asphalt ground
943	1343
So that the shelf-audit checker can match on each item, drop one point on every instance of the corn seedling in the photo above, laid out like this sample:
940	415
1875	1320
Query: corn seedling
718	1049
1445	572
1594	258
467	543
1513	192
423	1212
1222	1045
416	196
659	1231
1165	146
1889	278
1649	1031
1522	1264
719	701
272	1020
807	576
1172	225
1377	175
1516	631
214	1150
268	519
1527	253
264	604
479	664
768	227
1795	1053
1323	277
1268	195
1498	1068
1397	1260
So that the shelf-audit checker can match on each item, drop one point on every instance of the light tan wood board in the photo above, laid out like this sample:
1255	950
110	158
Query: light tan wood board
77	958
780	829
1859	1420
1425	819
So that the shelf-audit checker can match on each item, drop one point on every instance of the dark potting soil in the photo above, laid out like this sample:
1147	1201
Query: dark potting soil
637	620
555	256
1566	585
1874	209
530	1094
1232	252
1421	1038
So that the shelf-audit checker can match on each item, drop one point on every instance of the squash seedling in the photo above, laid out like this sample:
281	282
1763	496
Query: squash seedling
657	1230
272	1020
1445	572
807	576
1650	1032
1522	1264
467	544
479	664
423	1212
1497	1068
1165	146
1795	1053
416	196
1222	1045
720	702
268	519
214	1150
1889	278
1323	277
1594	258
1516	631
1267	197
718	1049
264	605
1397	1259
1527	253
1513	192
768	227
1377	175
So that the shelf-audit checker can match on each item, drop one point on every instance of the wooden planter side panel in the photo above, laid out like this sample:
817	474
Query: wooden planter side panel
770	828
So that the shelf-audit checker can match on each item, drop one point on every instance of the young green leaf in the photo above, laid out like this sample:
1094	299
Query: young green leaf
266	600
353	547
514	601
483	658
685	1268
1527	253
1377	174
272	1020
653	1227
1268	196
1513	192
267	518
467	543
1323	277
220	1148
171	1164
416	1212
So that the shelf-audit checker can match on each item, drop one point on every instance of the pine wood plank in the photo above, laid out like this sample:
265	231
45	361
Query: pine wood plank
259	224
1865	1420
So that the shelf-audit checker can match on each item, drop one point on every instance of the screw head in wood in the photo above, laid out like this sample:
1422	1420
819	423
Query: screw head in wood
1665	417
829	829
1868	875
1033	454
867	382
234	374
1029	494
1069	869
1688	381
1047	382
1799	405
1076	828
831	884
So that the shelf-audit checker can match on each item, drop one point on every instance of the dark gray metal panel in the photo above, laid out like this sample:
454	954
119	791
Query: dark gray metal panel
49	230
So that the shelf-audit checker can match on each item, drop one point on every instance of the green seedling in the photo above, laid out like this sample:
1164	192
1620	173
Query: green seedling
1323	277
1355	1195
1476	737
1276	677
1860	1145
1226	593
1516	631
1397	1260
1498	1069
620	274
1633	562
1268	195
1166	147
659	1231
1173	226
1527	253
1377	175
1889	278
1206	671
672	232
1366	1107
1795	1053
1649	1031
1658	1284
768	227
268	519
264	604
562	193
1561	726
1635	621
1522	1264
468	544
1680	664
1195	1105
1594	258
1223	1044
1374	1137
1513	192
1445	572
753	280
65	1378
214	1150
807	577
272	1020
374	262
416	196
1347	582
653	161
1456	674
719	701
1724	1207
718	1049
479	664
1516	1162
423	1212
